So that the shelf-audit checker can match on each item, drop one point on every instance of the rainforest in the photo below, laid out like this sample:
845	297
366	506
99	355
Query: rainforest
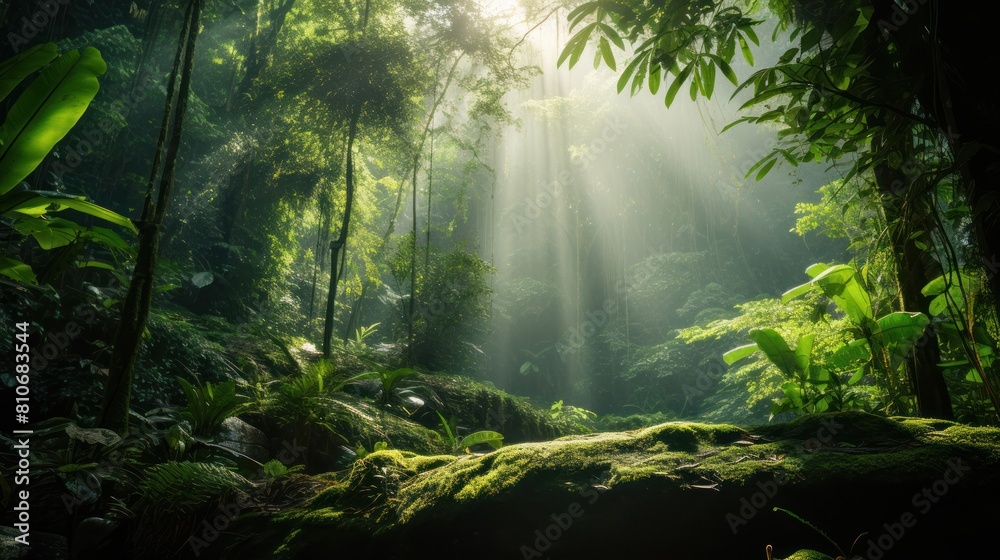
499	279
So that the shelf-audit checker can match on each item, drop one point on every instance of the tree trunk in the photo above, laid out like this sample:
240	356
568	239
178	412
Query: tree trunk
114	413
341	241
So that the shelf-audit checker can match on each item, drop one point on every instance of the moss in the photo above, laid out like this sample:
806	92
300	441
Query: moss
365	423
862	475
808	555
480	406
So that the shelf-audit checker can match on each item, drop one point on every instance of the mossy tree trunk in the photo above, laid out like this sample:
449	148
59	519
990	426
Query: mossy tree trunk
114	413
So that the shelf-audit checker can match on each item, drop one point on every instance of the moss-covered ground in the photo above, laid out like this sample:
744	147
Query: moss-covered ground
889	487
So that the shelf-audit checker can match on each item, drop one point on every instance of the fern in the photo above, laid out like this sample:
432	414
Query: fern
185	486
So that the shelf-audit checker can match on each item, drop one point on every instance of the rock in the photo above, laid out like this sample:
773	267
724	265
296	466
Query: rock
677	490
42	546
243	438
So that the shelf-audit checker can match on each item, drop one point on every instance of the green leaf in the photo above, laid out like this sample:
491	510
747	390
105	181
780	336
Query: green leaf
776	349
493	439
852	353
767	167
816	269
727	70
50	234
628	71
576	15
611	34
739	353
447	428
95	264
747	54
609	57
675	86
36	206
803	351
654	78
796	292
707	78
899	331
14	70
792	390
840	283
17	270
46	112
202	279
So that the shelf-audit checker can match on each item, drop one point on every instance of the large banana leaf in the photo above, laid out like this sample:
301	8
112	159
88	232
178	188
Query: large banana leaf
776	349
46	112
13	71
803	352
739	353
898	332
840	283
33	204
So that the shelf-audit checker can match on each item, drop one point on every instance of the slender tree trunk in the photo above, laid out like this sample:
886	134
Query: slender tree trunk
430	190
114	413
336	246
413	264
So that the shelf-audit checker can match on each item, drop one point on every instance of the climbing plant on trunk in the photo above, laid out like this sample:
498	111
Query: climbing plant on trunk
135	309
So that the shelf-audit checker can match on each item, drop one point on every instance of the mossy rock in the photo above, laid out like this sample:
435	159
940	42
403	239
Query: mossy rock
808	555
364	422
677	490
481	406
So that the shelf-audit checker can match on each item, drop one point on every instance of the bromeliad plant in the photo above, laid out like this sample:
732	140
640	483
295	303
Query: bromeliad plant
45	112
880	347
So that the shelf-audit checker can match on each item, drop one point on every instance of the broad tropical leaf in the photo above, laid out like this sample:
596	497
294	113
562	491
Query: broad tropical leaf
46	112
776	349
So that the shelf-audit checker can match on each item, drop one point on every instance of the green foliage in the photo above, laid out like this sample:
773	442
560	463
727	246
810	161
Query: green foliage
809	387
208	406
185	486
275	470
303	402
579	419
453	309
674	41
880	346
464	445
393	393
356	345
43	114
